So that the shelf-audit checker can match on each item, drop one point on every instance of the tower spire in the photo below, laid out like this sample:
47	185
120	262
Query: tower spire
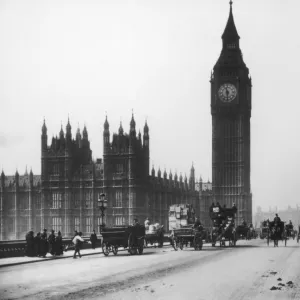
230	31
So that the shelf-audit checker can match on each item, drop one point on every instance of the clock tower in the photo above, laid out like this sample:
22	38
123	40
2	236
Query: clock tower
231	113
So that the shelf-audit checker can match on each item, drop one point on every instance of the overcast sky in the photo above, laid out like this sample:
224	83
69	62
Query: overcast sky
86	58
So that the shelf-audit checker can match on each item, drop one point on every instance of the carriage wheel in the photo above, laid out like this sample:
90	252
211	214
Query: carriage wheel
105	249
115	250
140	250
181	245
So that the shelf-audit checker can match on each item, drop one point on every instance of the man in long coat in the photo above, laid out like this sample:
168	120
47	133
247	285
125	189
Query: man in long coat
58	244
51	241
37	241
93	239
44	243
29	250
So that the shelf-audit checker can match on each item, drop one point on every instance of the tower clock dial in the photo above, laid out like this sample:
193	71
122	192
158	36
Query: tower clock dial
227	92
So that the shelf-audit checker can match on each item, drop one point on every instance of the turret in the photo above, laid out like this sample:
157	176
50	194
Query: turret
31	177
2	179
68	131
153	171
159	173
106	136
121	130
165	174
146	136
78	137
17	178
192	178
44	137
85	134
132	131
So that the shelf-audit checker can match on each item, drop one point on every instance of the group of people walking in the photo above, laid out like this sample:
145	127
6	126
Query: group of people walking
41	244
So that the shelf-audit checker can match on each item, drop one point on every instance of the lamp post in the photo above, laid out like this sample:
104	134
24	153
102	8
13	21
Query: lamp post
102	204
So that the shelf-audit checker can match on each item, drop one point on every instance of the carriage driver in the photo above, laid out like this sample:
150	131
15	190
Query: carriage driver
277	220
135	222
244	223
291	226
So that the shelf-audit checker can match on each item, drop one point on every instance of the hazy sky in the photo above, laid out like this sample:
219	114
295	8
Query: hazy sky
85	58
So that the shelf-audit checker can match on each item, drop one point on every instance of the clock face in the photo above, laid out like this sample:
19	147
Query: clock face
227	92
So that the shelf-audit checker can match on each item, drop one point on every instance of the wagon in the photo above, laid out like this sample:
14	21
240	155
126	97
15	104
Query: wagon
187	236
127	237
242	232
155	237
276	233
223	226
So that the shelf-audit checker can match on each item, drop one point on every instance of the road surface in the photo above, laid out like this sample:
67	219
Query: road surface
252	270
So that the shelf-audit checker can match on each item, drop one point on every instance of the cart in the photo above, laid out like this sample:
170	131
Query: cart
277	232
242	232
187	236
223	226
128	237
156	237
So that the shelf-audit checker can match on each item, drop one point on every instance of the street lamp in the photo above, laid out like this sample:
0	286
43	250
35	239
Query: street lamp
102	204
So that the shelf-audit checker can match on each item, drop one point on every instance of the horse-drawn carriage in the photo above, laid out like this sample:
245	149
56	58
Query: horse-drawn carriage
276	232
187	236
155	236
264	230
223	226
129	237
291	233
242	232
298	234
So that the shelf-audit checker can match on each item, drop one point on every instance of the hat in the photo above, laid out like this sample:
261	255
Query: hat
45	229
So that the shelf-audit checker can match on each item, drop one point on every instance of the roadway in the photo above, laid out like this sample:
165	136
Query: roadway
252	270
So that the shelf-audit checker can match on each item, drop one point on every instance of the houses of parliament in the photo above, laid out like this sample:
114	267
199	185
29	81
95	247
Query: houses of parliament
64	197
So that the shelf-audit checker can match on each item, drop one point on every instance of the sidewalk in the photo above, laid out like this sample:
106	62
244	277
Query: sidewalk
12	261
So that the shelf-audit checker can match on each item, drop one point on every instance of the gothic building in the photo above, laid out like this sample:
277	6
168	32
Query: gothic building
64	197
231	112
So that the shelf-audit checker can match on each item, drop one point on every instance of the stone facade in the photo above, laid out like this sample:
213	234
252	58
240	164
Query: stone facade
64	197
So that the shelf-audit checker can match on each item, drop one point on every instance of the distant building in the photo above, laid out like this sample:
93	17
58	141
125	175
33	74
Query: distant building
64	197
285	215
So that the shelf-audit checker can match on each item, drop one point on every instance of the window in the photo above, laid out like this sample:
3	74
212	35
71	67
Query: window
68	228
56	200
56	224
38	201
55	170
119	168
11	225
24	202
231	46
119	199
88	225
88	199
119	220
23	224
10	201
77	223
38	225
76	200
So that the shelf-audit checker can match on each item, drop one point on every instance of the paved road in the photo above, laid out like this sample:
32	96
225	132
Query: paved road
248	271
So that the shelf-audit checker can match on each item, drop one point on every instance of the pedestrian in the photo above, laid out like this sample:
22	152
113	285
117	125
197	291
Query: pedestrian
37	240
44	244
58	244
75	234
51	241
78	241
93	239
29	248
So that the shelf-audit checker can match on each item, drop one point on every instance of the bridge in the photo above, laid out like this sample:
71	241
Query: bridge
251	270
